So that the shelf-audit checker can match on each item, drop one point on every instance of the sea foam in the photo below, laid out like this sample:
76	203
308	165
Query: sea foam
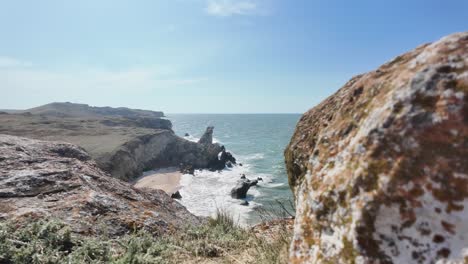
206	192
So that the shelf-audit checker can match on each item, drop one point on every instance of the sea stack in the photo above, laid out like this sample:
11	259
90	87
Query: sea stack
207	137
379	169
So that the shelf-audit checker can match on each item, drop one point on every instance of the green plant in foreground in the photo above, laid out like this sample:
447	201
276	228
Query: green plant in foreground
219	239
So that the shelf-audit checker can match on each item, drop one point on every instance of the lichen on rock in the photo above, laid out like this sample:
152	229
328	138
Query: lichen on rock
379	169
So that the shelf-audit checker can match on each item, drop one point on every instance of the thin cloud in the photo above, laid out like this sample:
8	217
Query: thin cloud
8	62
21	80
226	8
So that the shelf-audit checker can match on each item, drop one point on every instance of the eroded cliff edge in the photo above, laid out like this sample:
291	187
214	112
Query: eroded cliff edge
56	180
379	169
124	142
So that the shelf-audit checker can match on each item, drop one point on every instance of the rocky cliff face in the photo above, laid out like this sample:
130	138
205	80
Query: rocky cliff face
159	149
60	180
379	169
124	142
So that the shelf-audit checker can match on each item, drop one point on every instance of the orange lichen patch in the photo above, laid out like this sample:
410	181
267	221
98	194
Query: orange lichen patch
448	227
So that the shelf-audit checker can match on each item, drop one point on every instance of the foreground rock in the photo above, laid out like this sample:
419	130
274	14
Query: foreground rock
124	142
59	180
379	169
242	187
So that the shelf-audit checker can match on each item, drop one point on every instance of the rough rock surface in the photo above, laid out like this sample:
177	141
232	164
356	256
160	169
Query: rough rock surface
60	180
380	170
123	142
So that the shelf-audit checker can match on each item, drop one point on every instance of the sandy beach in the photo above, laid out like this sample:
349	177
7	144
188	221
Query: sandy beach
167	179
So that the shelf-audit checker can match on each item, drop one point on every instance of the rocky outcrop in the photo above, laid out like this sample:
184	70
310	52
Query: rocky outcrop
379	169
242	187
162	149
60	180
207	137
123	142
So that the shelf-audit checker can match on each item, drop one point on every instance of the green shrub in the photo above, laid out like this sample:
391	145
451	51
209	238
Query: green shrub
51	241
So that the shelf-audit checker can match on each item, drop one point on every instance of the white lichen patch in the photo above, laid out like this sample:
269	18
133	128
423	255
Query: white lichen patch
434	234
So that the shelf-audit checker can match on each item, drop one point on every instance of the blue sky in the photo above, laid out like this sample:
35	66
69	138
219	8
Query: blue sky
205	56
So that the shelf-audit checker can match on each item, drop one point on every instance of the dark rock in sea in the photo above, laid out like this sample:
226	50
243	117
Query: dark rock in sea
223	159
243	176
229	164
240	164
176	195
187	135
207	137
379	169
227	156
43	179
241	188
245	203
259	179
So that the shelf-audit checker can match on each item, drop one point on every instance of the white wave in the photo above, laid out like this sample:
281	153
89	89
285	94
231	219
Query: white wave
274	185
206	192
196	139
255	156
191	138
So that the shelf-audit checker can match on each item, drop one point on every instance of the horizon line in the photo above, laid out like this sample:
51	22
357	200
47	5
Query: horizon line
233	113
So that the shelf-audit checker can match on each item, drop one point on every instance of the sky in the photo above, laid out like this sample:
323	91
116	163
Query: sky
205	56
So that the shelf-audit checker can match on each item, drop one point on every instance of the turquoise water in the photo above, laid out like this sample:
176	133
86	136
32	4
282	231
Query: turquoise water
257	141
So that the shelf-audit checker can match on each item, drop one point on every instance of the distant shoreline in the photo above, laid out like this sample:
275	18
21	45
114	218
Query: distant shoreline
233	114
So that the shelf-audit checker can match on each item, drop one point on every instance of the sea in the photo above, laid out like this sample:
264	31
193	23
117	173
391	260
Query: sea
257	141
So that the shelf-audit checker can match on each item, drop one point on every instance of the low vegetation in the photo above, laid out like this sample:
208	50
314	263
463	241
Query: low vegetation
219	240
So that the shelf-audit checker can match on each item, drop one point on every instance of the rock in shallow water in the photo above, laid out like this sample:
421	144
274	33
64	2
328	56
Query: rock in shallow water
176	195
242	187
379	169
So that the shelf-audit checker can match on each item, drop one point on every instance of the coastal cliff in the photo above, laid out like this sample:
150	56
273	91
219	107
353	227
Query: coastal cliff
58	206
56	180
124	142
379	169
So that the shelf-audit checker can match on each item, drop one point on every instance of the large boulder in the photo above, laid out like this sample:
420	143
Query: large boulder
43	179
380	170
